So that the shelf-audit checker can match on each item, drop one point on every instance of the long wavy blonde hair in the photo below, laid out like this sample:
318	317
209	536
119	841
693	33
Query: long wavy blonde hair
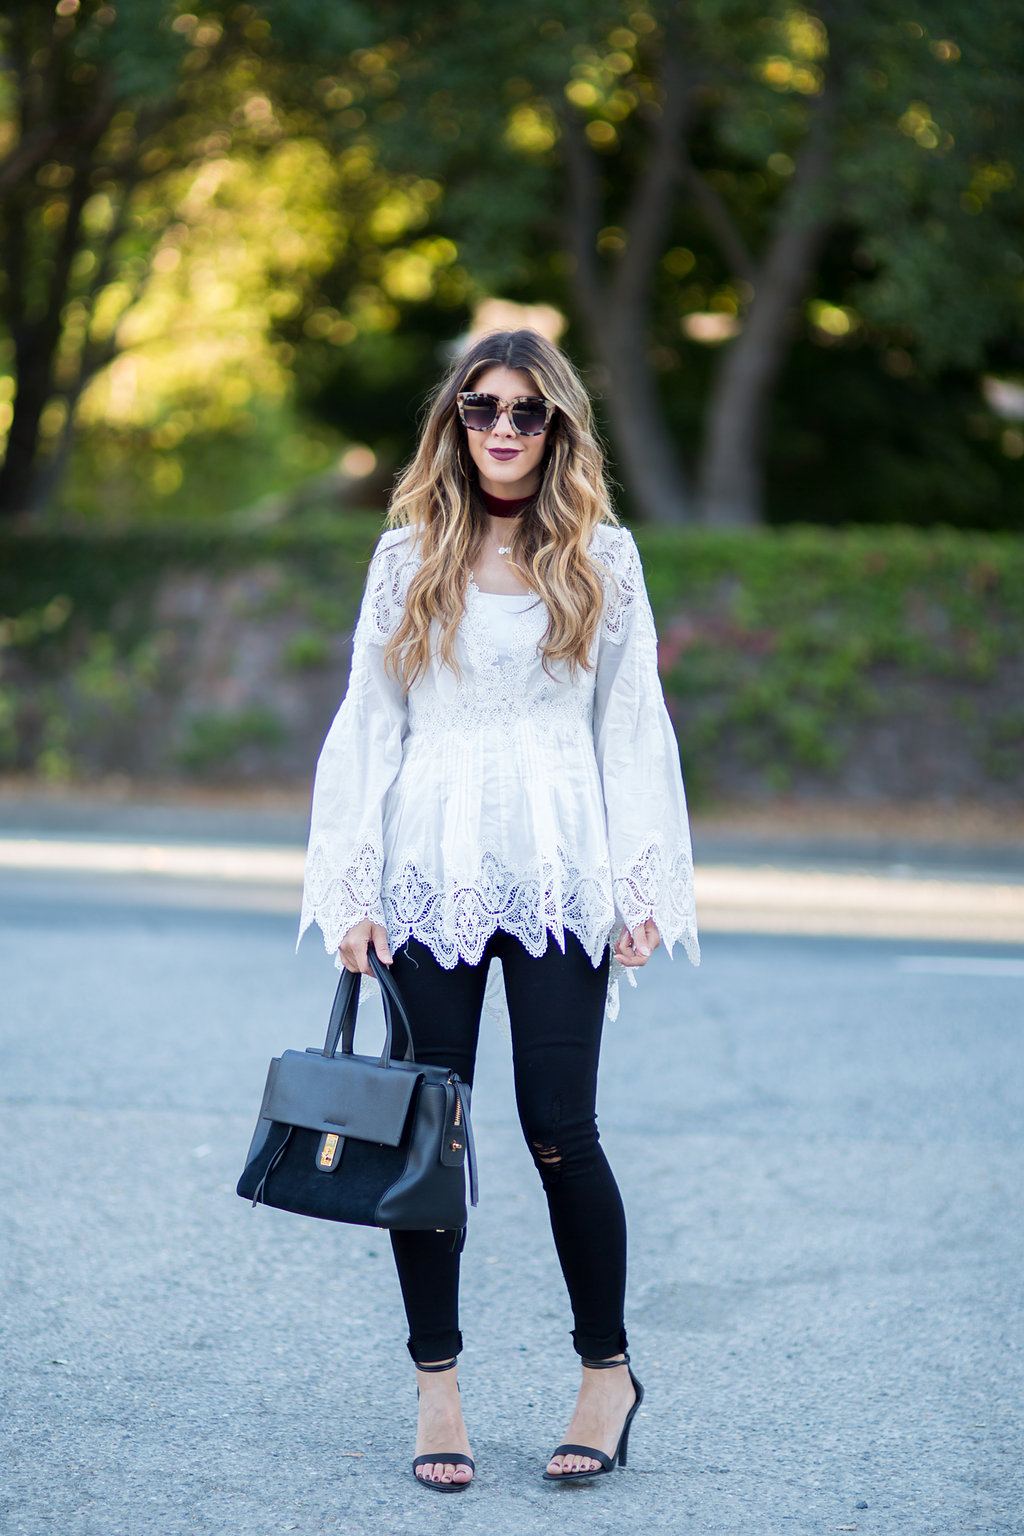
435	497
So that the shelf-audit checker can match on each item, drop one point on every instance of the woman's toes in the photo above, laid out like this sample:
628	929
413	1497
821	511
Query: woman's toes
444	1472
559	1465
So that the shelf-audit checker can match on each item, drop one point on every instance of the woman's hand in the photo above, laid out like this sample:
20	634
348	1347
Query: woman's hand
636	948
355	945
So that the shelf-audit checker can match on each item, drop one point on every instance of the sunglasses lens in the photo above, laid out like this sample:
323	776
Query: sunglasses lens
479	412
529	417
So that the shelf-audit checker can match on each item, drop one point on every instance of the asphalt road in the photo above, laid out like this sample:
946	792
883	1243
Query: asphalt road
819	1143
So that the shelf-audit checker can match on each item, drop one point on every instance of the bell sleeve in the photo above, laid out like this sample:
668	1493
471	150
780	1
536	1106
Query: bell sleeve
638	760
358	763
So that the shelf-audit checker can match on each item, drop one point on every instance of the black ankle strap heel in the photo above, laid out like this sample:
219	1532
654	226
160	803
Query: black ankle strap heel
607	1463
435	1458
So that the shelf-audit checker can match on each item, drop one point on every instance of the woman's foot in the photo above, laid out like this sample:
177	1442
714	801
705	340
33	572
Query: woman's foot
441	1429
604	1401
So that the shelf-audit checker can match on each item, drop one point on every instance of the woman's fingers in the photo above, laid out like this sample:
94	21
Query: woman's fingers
379	936
636	948
354	945
351	959
624	951
638	939
652	935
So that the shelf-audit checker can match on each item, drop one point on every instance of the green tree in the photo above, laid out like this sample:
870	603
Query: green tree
87	90
600	152
250	192
109	114
176	189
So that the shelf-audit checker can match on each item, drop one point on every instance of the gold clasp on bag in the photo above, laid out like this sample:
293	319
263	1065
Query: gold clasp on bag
328	1150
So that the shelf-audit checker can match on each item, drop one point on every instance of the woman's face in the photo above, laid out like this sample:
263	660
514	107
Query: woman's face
508	465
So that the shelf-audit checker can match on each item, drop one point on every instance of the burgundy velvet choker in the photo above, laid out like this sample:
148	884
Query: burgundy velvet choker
502	506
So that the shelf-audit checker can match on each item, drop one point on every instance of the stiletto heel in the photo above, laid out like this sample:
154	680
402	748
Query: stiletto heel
433	1458
607	1463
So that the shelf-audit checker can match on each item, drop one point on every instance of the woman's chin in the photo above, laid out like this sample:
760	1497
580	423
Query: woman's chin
511	484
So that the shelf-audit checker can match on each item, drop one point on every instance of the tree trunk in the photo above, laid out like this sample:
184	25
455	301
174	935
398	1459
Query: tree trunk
36	339
20	468
731	474
646	457
731	465
614	306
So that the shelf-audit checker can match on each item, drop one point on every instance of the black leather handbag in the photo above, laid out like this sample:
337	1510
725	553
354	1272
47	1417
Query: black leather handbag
372	1140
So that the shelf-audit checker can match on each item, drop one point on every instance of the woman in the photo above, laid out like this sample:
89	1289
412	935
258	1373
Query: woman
502	781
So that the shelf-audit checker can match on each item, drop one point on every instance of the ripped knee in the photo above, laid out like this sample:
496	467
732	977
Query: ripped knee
546	1157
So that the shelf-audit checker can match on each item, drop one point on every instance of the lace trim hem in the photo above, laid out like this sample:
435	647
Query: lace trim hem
658	884
456	922
337	903
517	917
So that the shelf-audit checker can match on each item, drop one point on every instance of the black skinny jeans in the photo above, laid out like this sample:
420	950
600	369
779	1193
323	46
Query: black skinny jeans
556	1004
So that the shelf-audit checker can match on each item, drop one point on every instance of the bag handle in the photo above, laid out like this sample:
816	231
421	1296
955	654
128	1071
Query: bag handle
342	1024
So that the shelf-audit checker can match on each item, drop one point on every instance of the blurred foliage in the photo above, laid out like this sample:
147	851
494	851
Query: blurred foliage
215	740
174	468
167	209
850	443
926	168
778	650
96	676
52	578
241	238
547	162
775	649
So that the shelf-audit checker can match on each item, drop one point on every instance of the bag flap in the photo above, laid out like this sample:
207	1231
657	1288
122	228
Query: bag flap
352	1095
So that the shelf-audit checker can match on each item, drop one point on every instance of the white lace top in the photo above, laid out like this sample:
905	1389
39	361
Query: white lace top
505	798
